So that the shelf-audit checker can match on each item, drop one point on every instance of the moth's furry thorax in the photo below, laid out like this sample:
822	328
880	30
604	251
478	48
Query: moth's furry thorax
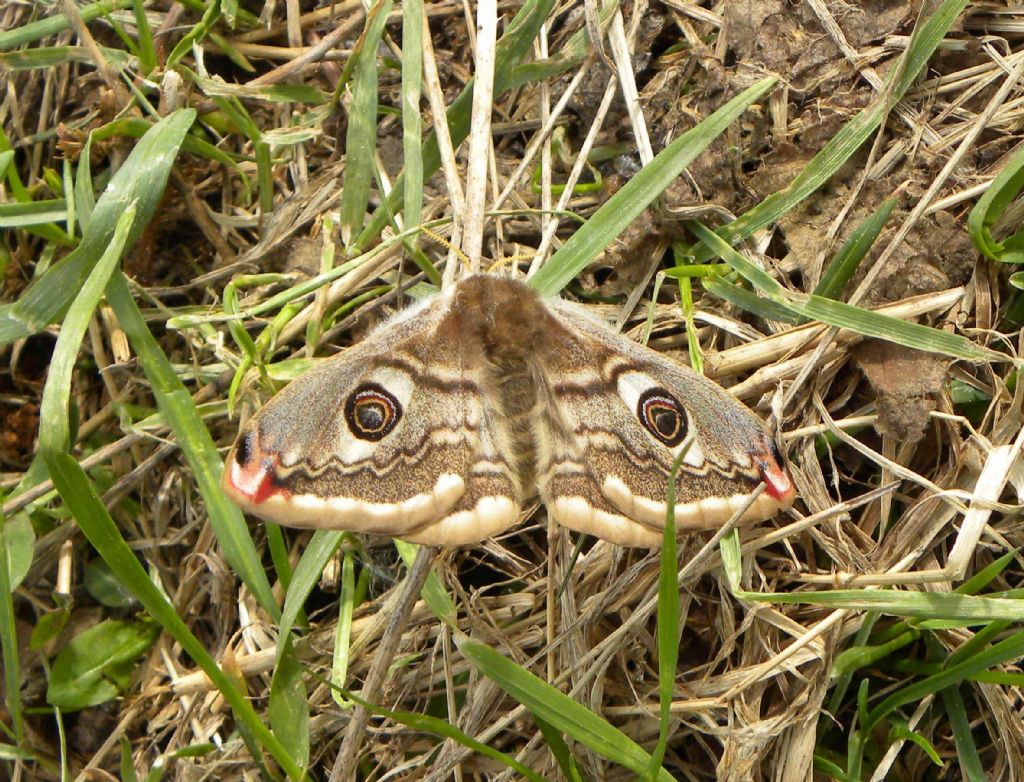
506	316
510	324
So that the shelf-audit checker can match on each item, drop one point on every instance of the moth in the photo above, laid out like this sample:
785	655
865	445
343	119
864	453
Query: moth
441	424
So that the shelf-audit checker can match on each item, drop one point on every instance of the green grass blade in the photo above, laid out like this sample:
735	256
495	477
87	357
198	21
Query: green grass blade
971	767
195	34
557	709
33	213
288	709
361	138
843	266
668	622
846	316
196	444
80	497
1007	650
9	642
990	208
861	656
53	56
343	630
630	201
289	712
54	421
559	751
147	51
439	727
84	198
760	306
433	592
141	178
51	25
911	335
839	149
572	53
314	559
965	609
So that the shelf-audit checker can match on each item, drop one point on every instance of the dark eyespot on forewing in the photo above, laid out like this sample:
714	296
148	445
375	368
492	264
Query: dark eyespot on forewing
663	416
371	412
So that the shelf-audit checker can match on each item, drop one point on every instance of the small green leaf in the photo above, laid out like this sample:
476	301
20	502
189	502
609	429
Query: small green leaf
95	666
106	588
19	540
858	657
900	730
48	627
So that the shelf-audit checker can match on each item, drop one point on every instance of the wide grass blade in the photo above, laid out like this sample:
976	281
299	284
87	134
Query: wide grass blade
439	727
196	445
558	709
54	421
80	497
846	261
842	315
629	202
288	708
848	140
142	179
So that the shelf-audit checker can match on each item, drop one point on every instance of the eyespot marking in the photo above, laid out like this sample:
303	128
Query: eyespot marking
662	415
371	412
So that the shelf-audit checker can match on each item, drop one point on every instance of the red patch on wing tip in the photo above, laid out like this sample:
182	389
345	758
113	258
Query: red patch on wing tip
777	481
254	483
